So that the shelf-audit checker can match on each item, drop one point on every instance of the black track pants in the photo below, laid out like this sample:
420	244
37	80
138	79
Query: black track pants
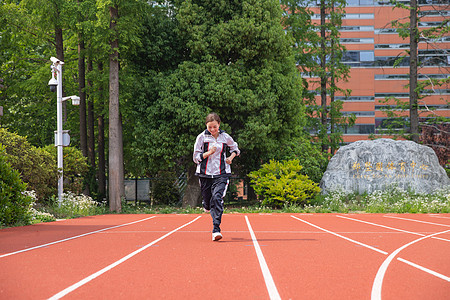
213	191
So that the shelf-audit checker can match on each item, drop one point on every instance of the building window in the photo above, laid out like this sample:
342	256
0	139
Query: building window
391	124
434	13
360	129
360	2
355	98
406	77
359	113
357	28
397	95
357	41
348	16
392	46
358	58
421	107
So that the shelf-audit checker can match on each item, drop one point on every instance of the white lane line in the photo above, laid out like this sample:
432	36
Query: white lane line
392	228
419	221
401	259
270	284
437	216
73	237
446	278
111	266
378	282
341	236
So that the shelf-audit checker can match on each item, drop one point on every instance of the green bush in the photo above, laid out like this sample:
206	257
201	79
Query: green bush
14	203
309	155
279	184
38	166
164	189
76	167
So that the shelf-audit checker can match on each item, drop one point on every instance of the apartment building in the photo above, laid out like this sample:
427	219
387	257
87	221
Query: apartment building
372	48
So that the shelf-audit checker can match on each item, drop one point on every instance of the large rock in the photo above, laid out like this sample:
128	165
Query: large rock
365	166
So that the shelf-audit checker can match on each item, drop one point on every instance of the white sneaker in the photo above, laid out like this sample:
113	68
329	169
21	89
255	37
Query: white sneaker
216	236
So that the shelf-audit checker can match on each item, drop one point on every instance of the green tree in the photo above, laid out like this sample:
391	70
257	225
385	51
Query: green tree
318	55
416	31
240	65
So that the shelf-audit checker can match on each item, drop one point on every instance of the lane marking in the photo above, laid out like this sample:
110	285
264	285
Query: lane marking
73	237
419	221
437	216
115	264
341	236
270	284
378	282
385	253
424	269
392	228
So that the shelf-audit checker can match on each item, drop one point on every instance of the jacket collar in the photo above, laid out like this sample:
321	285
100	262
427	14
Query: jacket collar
209	133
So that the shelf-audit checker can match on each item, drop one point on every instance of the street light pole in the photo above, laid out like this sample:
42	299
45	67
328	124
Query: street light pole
57	68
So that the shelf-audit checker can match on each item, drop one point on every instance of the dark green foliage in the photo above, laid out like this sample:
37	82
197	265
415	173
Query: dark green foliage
14	205
279	184
75	167
164	189
38	166
239	64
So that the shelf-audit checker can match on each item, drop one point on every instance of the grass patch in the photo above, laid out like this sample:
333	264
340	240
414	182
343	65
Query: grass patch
393	200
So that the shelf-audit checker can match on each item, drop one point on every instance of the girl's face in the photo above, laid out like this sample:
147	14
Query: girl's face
213	128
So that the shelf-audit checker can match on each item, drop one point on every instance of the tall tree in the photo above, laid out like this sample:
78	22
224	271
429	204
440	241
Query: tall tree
413	54
115	178
239	64
415	30
318	55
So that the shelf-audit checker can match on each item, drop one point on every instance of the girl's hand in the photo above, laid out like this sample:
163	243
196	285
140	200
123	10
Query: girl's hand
210	152
229	160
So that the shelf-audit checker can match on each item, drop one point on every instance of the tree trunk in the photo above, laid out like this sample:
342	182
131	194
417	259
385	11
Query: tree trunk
413	95
115	178
332	91
90	123
192	195
101	158
101	175
82	95
323	78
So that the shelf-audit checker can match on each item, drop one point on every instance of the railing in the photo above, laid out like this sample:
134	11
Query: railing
141	189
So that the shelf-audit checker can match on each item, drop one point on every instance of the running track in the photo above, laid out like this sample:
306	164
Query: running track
262	256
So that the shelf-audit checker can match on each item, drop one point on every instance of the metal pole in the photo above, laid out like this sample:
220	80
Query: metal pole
59	131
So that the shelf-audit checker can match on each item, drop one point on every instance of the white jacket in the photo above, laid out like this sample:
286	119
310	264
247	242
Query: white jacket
214	165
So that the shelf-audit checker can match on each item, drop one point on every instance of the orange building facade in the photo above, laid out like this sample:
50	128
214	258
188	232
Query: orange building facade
372	47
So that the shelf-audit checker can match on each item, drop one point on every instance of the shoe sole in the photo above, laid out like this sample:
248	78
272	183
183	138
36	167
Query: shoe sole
217	237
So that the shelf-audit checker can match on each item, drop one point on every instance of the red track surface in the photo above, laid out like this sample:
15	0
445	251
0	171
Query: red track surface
262	256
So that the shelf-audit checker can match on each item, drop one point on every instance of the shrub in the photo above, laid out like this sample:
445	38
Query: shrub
75	167
14	203
282	183
36	167
164	189
309	155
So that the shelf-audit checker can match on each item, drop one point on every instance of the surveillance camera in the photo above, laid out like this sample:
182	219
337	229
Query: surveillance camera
54	59
53	83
